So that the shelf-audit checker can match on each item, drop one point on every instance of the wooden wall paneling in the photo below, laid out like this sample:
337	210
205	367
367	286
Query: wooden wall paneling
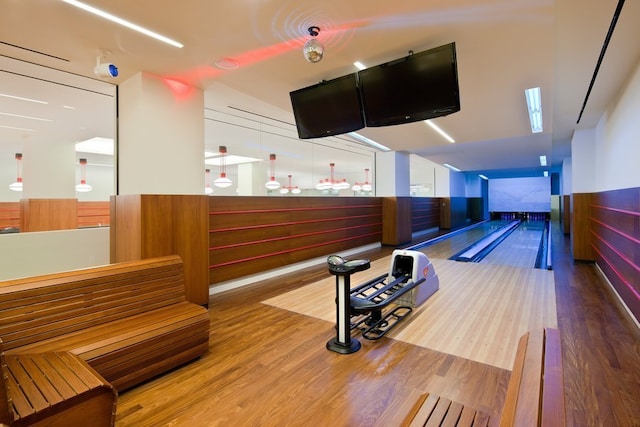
248	235
396	220
48	214
9	214
147	226
581	227
475	208
566	214
425	213
458	212
126	228
93	214
615	221
445	213
191	241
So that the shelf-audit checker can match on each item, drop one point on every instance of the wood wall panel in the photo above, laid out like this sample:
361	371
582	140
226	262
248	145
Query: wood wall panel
9	214
458	212
93	214
397	221
249	235
425	213
581	227
147	226
615	240
48	214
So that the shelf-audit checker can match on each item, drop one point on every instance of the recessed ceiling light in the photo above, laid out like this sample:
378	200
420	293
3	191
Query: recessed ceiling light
96	145
26	117
543	160
453	168
15	128
534	105
227	64
123	22
483	177
369	141
22	99
546	173
440	131
359	65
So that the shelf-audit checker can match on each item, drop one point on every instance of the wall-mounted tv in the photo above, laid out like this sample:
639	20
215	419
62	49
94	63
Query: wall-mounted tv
417	87
328	108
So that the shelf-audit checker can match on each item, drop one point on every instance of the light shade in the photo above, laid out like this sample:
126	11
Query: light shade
534	105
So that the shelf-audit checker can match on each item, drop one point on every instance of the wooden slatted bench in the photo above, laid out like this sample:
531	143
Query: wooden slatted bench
128	321
54	389
535	393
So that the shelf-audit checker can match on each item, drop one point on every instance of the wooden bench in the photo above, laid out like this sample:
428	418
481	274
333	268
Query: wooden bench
128	321
54	389
535	393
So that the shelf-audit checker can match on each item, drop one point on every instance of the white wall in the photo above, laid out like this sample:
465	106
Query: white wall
30	254
617	153
583	170
566	183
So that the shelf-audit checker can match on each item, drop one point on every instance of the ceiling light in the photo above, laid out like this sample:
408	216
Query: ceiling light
543	160
20	116
534	105
313	50
96	145
359	65
440	131
83	187
207	183
222	181
453	168
272	184
369	141
483	177
545	173
15	128
123	22
22	99
17	186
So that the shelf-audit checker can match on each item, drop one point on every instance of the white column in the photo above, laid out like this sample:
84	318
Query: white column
161	137
392	174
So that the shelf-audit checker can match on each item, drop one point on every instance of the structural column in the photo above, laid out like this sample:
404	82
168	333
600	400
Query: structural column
161	208
392	183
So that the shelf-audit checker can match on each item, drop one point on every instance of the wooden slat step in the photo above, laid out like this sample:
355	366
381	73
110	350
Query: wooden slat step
435	411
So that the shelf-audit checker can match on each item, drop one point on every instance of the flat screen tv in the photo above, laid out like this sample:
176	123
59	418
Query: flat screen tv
328	108
417	87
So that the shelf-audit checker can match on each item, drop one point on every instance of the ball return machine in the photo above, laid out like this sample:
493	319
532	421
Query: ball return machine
368	306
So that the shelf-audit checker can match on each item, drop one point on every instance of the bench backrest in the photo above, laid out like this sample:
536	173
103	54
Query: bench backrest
535	394
42	307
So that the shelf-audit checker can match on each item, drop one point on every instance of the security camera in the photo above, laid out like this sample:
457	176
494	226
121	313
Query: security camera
106	70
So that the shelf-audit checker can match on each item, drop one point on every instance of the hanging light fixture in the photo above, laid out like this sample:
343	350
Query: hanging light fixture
289	188
83	187
331	183
363	186
17	186
222	181
313	50
272	184
207	184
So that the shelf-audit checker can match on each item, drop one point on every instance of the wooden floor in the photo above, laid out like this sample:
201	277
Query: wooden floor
268	366
479	312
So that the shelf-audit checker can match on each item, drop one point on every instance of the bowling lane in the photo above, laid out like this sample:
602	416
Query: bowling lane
520	248
452	245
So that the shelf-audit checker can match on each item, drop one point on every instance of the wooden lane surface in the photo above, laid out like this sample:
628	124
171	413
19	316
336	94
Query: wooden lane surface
478	313
519	249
